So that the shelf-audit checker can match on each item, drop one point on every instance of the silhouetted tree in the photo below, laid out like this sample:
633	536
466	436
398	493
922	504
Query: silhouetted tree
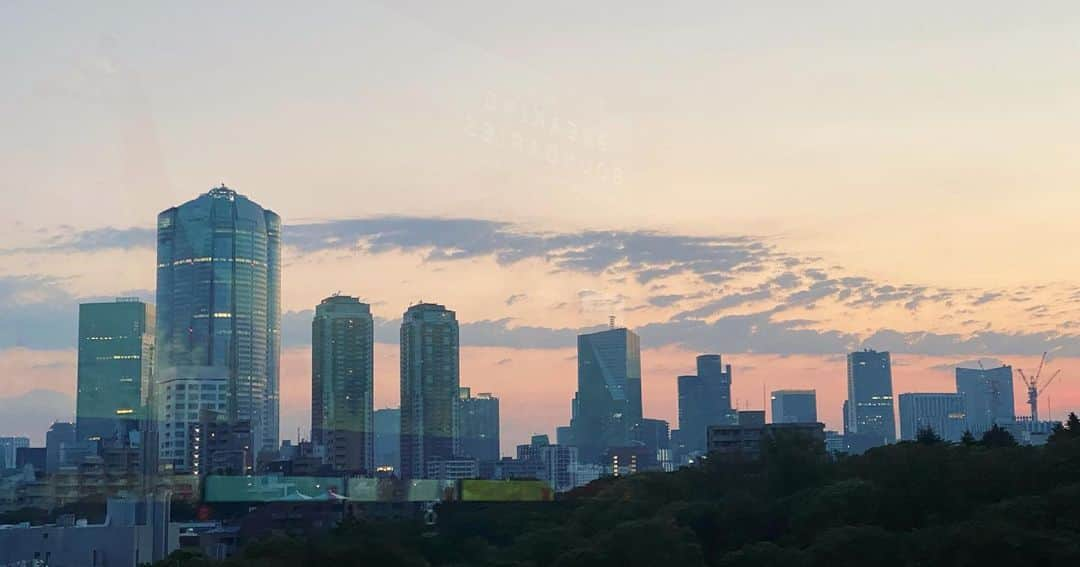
927	436
184	558
998	436
968	439
1070	430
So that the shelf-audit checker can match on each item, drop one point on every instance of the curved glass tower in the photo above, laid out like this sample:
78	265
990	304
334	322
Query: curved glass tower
219	298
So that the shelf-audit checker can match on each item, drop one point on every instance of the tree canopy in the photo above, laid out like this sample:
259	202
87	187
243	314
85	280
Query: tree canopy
976	504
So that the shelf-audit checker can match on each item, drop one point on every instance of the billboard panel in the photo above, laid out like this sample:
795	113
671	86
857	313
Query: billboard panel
505	491
271	488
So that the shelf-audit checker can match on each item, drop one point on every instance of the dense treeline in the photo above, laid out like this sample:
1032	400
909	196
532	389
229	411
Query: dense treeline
927	502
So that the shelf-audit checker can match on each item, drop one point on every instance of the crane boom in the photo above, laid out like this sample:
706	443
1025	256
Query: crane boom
1048	381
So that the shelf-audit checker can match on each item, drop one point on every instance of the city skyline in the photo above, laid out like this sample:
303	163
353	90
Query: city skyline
561	283
746	403
721	184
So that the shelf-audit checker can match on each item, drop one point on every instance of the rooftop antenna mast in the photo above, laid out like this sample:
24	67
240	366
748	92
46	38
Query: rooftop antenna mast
611	321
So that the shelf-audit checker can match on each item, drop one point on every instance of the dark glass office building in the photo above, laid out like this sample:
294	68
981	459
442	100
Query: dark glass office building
429	387
988	396
219	303
794	406
116	353
943	413
870	417
704	400
478	426
343	383
715	379
388	440
608	401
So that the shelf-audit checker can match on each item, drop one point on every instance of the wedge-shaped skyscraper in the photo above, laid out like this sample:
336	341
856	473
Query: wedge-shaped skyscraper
870	418
608	401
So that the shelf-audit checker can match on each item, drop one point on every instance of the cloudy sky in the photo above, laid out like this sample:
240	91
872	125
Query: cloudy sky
778	182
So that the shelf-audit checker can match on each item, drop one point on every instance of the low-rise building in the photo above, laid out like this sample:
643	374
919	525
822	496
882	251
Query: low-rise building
743	441
184	393
219	446
133	533
452	469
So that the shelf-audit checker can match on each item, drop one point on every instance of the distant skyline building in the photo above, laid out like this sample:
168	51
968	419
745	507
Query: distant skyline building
704	400
942	412
388	439
478	425
556	464
115	365
988	396
343	383
564	435
33	456
429	388
60	435
794	406
716	385
9	447
692	428
743	440
219	303
608	399
655	435
870	418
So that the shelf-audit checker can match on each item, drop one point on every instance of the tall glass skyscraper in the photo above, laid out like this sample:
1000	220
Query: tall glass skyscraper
116	355
870	417
429	387
608	401
343	383
219	305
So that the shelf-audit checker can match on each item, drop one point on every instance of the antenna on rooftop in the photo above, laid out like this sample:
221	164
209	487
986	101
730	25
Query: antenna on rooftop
611	321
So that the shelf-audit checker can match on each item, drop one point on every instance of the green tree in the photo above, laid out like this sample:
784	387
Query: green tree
927	436
1073	424
1070	430
184	558
998	436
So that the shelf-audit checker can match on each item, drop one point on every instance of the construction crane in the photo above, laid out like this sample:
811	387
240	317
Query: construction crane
1035	386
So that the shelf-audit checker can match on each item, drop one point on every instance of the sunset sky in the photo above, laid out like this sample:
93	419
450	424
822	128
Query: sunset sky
778	182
